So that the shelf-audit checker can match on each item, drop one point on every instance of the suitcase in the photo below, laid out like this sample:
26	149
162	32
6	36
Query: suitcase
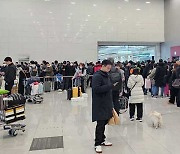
69	94
75	92
47	86
166	90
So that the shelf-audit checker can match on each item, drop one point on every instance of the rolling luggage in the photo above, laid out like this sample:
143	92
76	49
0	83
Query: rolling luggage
47	86
69	94
75	92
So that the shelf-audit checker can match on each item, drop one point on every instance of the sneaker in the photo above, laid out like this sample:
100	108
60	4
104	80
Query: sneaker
106	143
132	119
98	149
139	119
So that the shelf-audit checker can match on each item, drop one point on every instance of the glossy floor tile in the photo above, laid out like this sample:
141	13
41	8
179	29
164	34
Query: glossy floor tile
58	117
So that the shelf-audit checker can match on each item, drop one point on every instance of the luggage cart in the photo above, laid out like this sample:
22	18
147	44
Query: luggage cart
11	115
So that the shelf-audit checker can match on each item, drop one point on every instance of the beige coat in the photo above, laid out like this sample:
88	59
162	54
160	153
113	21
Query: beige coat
137	95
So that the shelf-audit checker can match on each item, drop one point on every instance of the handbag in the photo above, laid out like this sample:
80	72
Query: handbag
176	83
115	120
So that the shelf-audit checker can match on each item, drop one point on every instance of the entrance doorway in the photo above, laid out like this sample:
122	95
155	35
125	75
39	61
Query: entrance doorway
127	52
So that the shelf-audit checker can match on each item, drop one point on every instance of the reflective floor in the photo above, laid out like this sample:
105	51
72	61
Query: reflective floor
58	117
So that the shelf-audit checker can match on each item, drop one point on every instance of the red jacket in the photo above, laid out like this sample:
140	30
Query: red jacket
97	67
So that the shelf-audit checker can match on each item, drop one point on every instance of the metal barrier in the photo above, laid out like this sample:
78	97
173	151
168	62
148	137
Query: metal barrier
63	82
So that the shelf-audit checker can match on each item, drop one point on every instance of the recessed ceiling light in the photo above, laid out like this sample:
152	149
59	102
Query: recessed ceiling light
138	9
73	3
148	2
47	0
94	5
89	15
126	0
50	12
86	20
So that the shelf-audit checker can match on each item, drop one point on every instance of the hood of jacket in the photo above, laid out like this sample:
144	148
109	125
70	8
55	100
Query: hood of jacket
136	78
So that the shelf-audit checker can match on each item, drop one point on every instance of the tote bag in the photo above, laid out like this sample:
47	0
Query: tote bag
147	83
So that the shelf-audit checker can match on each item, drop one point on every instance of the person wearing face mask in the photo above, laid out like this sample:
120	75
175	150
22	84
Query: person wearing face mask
79	76
10	74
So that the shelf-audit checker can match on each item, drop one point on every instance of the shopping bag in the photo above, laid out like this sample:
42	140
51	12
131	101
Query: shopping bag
115	120
111	121
147	84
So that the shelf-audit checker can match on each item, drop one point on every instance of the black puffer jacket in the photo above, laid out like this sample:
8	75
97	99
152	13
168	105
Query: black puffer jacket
160	74
101	96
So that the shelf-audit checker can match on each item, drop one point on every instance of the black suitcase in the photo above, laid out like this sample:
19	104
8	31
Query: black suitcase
69	94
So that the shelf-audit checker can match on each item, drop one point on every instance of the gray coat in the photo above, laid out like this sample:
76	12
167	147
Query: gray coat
101	96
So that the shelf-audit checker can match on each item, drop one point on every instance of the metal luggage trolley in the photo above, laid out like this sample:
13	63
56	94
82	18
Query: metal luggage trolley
9	115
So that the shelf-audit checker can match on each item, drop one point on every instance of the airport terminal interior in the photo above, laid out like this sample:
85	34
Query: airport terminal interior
58	60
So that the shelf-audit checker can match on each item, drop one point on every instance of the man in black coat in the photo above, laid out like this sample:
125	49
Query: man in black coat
160	77
10	74
102	104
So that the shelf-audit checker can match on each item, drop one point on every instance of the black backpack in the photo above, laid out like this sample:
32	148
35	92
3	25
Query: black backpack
115	76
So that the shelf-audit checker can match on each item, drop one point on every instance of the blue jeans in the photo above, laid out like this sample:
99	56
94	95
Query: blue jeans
153	90
157	90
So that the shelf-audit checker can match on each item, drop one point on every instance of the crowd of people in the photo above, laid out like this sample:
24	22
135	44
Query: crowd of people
161	74
109	80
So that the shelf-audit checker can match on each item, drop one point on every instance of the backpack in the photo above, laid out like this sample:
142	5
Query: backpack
115	76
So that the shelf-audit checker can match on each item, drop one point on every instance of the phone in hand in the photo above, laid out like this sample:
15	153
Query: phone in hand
115	84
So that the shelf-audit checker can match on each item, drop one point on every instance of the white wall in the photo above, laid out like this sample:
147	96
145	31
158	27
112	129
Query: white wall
172	27
57	29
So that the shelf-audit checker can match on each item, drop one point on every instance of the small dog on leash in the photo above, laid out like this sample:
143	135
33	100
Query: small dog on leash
156	119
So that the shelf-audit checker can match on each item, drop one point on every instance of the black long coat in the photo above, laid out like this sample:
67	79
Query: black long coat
160	75
101	96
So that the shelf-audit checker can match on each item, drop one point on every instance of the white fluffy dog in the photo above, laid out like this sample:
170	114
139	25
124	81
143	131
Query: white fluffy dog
156	119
